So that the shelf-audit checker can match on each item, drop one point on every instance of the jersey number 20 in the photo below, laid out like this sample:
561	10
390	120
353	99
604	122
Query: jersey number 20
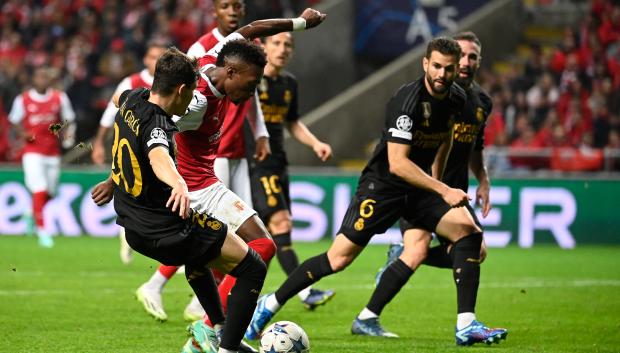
118	174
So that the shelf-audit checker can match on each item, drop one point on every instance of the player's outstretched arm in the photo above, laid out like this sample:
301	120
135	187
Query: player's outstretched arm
310	18
165	170
301	132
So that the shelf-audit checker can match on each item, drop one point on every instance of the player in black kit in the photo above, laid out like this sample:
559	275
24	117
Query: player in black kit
396	183
152	200
467	146
269	178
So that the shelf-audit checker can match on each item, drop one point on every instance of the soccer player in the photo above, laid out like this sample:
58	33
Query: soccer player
229	74
153	202
230	166
278	98
467	147
144	78
42	116
396	183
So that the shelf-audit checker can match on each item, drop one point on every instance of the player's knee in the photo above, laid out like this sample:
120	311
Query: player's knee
415	254
471	241
251	267
465	230
339	263
280	223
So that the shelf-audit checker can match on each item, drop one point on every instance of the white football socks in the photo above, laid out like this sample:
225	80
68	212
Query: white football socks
464	319
304	293
367	314
157	281
222	350
271	303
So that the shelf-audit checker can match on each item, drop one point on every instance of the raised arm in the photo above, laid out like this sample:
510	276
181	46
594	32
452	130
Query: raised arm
310	18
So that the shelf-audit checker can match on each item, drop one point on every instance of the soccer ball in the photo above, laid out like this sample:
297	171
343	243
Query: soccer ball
284	337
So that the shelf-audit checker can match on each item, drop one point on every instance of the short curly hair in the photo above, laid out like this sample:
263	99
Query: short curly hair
247	52
444	45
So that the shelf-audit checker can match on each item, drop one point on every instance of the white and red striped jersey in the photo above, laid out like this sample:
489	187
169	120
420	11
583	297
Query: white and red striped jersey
38	112
232	144
137	80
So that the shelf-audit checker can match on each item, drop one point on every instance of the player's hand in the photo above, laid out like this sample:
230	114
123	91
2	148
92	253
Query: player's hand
322	150
263	149
98	154
102	193
313	17
483	251
482	198
179	199
455	197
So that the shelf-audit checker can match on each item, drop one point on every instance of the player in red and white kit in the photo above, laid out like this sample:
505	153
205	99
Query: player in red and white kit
144	78
42	117
230	166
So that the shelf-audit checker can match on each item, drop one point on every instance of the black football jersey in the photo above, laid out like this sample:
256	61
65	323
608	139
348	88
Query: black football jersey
278	101
468	135
415	118
139	196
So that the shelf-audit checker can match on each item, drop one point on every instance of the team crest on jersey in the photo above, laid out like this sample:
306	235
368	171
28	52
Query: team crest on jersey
288	96
214	224
359	225
426	113
480	114
404	123
272	201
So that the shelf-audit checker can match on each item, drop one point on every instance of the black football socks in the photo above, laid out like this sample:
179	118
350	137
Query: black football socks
466	271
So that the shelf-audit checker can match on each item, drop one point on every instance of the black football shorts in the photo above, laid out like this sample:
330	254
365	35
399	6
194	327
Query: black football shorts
199	242
270	192
371	213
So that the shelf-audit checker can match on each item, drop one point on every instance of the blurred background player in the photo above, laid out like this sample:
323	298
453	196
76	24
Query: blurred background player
139	79
230	166
42	116
270	182
396	183
466	153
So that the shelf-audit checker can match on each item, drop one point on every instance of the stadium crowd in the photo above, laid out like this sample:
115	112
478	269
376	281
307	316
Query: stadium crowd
559	110
92	44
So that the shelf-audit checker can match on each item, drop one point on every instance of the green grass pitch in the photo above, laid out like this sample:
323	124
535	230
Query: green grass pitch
78	297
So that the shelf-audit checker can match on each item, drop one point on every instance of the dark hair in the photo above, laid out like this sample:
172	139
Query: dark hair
247	52
173	68
468	36
445	46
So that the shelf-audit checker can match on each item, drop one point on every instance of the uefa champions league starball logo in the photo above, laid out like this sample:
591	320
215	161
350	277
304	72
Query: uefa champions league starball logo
404	123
